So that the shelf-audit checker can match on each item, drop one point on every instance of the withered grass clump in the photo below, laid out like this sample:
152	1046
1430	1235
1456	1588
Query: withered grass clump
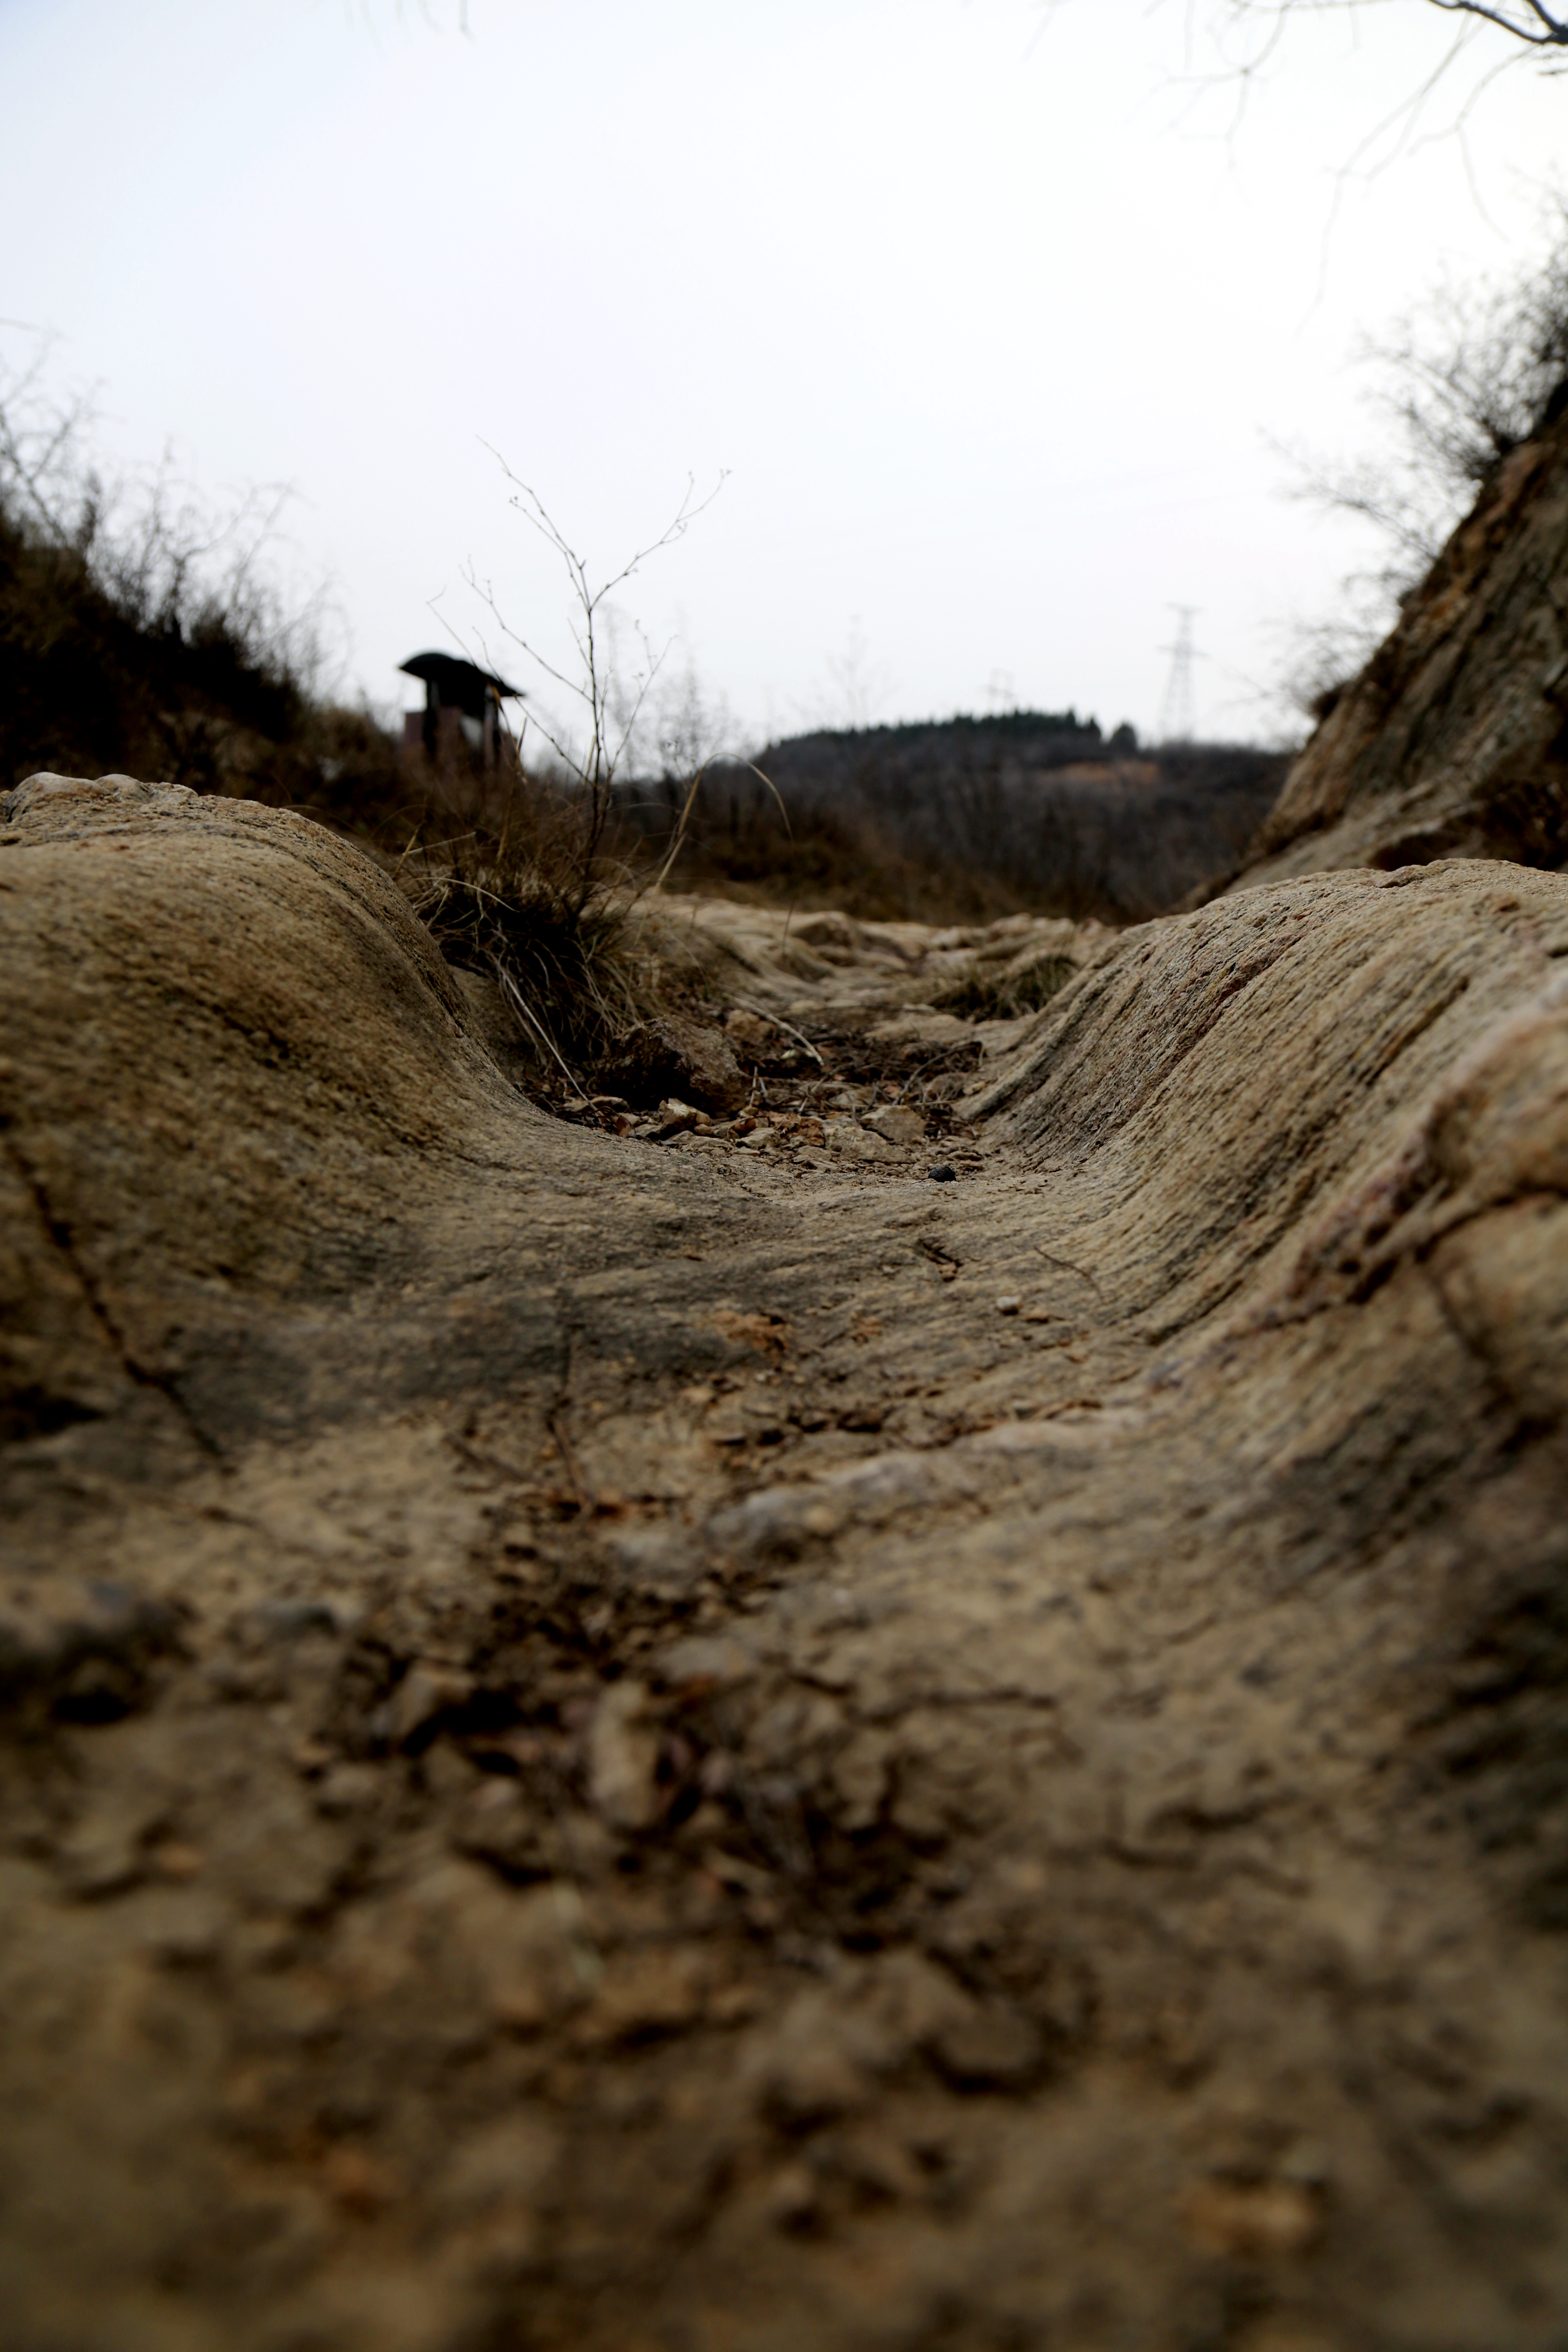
533	895
1002	996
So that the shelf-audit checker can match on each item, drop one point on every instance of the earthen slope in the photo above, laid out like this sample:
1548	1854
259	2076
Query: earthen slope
622	1743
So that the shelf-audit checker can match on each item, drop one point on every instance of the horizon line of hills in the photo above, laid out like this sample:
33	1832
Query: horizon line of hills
1061	735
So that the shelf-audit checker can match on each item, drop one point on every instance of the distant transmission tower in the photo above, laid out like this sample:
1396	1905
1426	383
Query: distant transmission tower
1176	710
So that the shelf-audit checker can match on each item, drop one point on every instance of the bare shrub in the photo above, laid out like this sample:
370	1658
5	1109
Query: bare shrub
528	875
141	628
1466	378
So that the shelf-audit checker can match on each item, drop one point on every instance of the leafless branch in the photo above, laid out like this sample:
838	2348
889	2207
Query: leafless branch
611	706
1551	32
1528	21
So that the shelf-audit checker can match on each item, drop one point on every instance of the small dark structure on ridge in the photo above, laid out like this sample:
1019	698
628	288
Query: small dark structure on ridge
462	705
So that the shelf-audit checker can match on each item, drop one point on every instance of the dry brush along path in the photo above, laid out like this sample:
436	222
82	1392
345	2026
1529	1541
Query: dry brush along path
679	1746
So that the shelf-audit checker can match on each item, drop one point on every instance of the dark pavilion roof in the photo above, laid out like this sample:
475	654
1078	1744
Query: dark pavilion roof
461	684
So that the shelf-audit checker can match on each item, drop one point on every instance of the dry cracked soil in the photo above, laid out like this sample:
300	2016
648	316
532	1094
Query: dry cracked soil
705	1741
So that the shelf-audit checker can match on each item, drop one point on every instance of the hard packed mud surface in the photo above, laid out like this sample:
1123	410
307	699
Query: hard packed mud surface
674	1742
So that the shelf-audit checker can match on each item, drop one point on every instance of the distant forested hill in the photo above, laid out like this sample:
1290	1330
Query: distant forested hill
981	815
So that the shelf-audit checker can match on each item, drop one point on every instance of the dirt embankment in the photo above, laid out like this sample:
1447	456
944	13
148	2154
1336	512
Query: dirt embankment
617	1743
1453	742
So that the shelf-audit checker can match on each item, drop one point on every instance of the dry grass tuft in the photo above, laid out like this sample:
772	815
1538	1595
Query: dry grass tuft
530	894
1002	996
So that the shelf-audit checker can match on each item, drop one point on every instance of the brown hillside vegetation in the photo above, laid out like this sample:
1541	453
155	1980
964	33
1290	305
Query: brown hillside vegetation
1453	742
965	818
696	1740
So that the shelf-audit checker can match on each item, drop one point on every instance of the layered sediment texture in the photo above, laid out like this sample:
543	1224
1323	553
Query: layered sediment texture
620	1746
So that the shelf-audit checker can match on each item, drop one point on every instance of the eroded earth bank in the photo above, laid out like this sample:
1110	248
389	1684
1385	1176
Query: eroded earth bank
695	1746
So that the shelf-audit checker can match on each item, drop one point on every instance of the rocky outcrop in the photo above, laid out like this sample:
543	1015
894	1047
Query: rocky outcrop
1453	742
616	1744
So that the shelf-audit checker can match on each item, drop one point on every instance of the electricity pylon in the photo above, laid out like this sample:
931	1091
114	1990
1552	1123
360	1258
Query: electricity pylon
1176	710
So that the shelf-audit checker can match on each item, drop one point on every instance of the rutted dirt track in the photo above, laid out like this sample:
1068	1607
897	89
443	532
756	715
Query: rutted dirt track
692	1748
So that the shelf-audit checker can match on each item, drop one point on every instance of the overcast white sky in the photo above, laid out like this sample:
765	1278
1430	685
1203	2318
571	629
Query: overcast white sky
987	309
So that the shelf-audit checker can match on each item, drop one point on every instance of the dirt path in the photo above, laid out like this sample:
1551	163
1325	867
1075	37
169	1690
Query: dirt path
725	1746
